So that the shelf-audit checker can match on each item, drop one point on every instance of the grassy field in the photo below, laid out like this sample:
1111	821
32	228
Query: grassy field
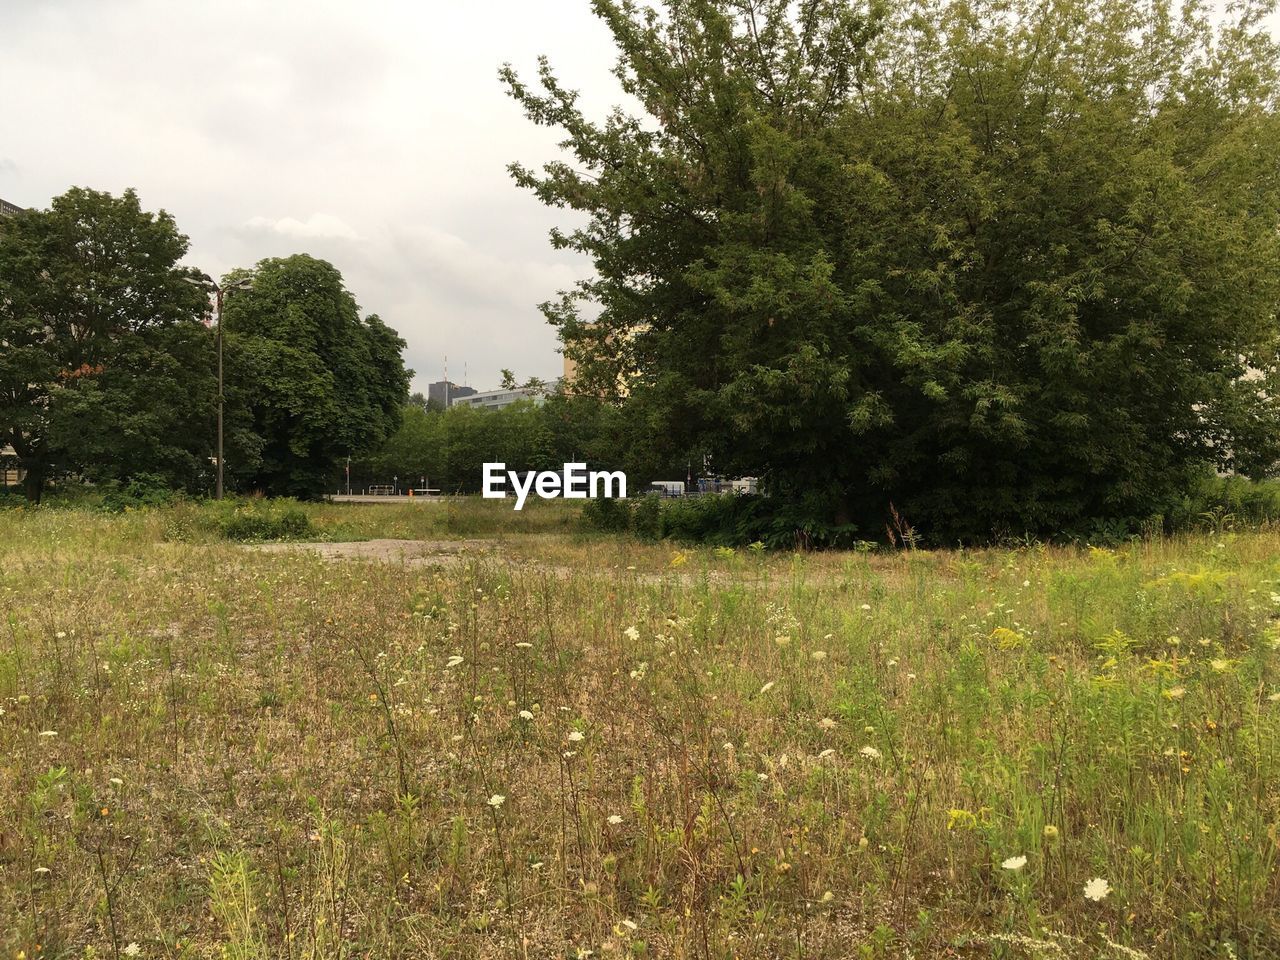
554	746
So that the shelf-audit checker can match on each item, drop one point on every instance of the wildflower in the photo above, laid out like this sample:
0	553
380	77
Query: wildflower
615	819
866	606
630	925
892	663
496	800
870	752
454	661
1097	889
43	870
117	781
767	687
1219	665
1015	863
1175	693
48	733
631	633
576	736
132	950
1274	698
782	640
1050	832
524	645
826	753
819	654
826	723
526	714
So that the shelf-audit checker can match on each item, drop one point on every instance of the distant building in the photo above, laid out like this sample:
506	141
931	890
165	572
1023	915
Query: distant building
8	209
10	473
494	399
444	392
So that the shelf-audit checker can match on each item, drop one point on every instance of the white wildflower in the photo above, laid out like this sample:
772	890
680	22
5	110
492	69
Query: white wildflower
1097	889
1015	863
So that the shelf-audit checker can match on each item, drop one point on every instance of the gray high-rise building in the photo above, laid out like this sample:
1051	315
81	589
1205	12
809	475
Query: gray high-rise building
8	209
445	392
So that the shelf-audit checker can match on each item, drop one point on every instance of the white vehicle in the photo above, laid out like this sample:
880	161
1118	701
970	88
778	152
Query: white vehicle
668	488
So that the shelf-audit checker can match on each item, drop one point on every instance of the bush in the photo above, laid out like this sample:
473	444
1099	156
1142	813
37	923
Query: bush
607	515
144	490
267	522
1218	502
722	520
646	517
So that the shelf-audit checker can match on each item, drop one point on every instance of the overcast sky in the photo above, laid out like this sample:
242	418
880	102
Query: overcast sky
374	134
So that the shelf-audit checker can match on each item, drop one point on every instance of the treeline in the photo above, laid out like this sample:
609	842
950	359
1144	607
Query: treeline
449	447
109	361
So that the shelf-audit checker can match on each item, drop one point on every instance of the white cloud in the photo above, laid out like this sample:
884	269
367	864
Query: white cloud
372	133
316	225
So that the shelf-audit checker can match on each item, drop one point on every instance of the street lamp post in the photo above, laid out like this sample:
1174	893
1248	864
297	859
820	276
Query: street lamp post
217	495
245	283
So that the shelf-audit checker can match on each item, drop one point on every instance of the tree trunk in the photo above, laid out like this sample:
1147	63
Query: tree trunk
33	481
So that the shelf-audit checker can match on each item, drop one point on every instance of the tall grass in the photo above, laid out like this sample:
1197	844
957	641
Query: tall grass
568	745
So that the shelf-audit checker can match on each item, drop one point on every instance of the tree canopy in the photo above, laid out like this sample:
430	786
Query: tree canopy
314	383
106	367
1000	266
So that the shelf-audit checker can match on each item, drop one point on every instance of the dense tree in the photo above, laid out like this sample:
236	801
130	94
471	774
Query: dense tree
1000	264
105	366
315	383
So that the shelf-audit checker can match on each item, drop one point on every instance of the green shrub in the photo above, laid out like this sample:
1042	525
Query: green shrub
143	490
646	517
271	521
722	520
607	515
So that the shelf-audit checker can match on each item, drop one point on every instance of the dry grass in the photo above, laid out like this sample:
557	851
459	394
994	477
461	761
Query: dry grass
211	751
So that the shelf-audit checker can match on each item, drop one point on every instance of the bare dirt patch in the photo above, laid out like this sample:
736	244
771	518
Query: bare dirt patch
424	552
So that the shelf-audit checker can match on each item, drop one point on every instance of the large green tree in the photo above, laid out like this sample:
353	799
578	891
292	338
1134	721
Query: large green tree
105	366
1001	264
313	382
